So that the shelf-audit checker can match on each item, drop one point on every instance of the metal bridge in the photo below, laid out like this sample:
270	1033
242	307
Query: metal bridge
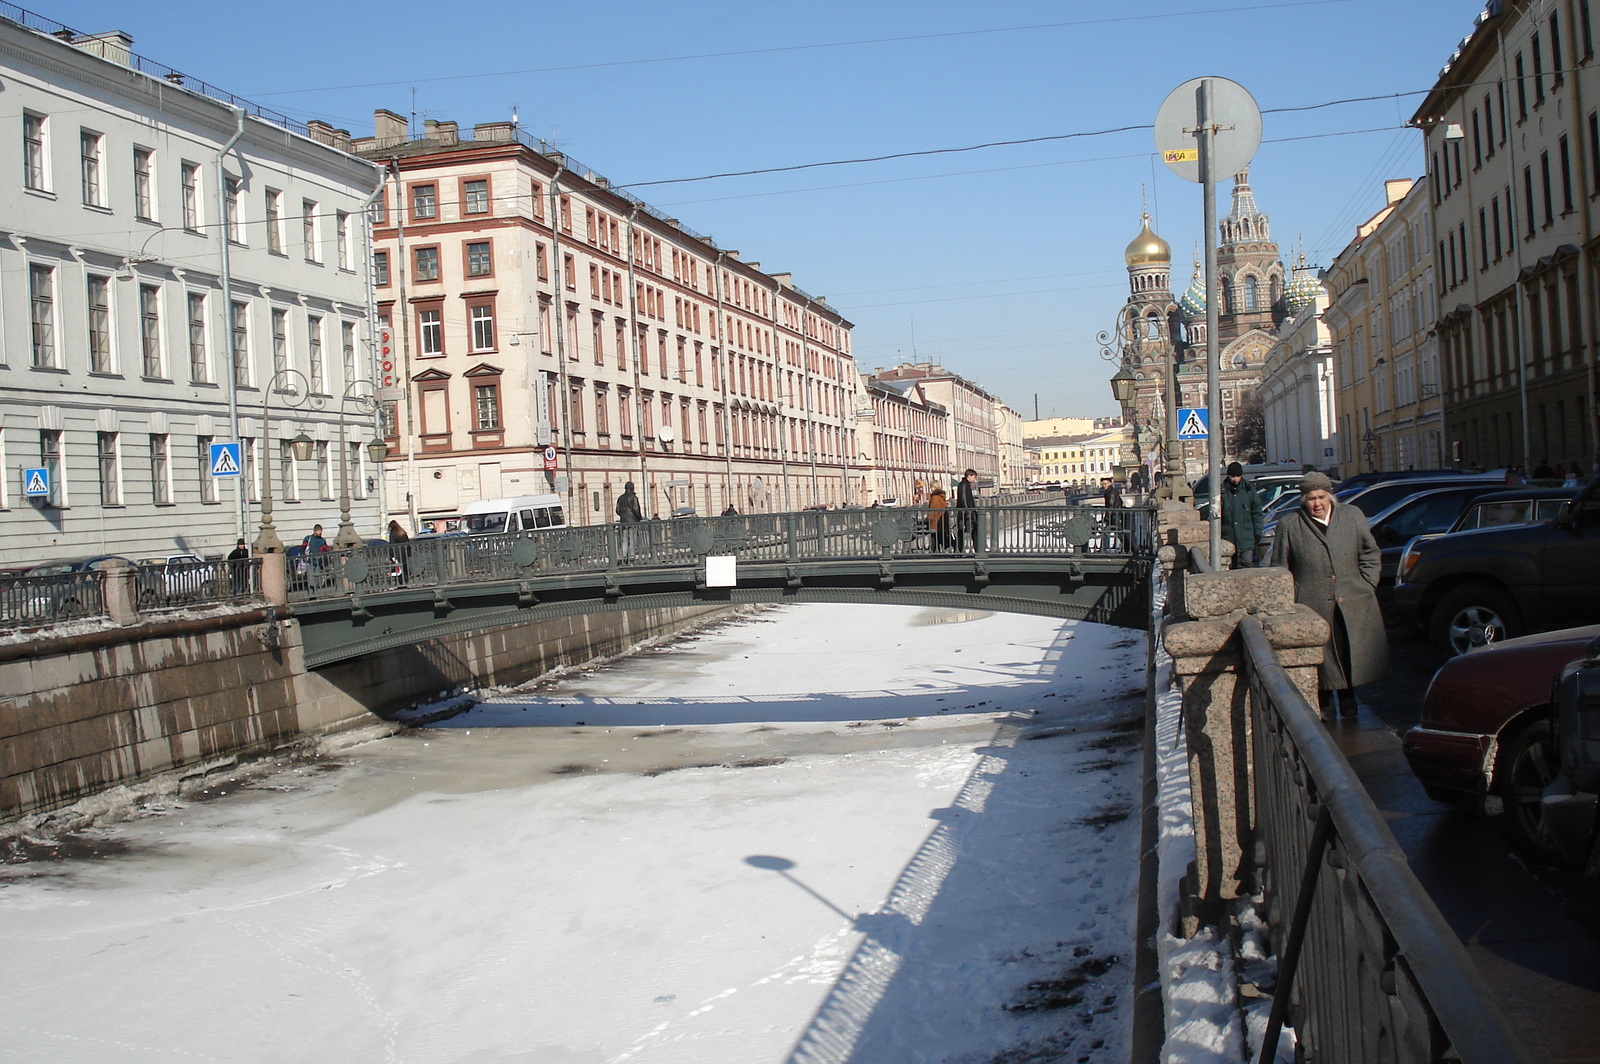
1080	563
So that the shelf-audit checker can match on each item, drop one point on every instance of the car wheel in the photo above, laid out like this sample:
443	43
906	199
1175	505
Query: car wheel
1472	616
1526	768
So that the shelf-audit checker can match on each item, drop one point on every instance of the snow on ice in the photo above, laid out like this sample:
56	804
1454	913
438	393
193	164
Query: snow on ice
816	835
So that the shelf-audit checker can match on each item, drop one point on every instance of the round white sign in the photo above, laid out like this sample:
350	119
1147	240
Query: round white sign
1233	115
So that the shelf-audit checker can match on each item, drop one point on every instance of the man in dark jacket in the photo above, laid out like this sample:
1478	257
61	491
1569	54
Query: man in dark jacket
1110	494
1241	516
628	511
966	505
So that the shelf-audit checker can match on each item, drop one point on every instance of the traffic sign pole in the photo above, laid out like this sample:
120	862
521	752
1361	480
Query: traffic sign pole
1208	189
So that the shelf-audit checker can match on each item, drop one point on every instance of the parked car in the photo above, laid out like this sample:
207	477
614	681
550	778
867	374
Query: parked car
170	578
1500	509
1473	588
1485	731
1428	512
66	595
1366	480
1569	801
1269	486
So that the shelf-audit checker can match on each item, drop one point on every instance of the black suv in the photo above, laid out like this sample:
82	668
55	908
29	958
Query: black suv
1472	588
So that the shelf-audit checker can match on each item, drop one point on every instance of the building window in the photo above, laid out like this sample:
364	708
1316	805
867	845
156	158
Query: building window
189	174
319	381
380	268
89	164
34	172
477	197
427	260
239	343
324	470
347	350
150	329
1538	69
50	459
424	202
380	209
280	342
1527	197
486	405
230	210
160	478
275	221
602	418
144	204
1522	89
1566	176
198	361
479	262
42	304
110	474
99	294
430	332
289	474
341	233
308	230
208	483
1544	183
482	327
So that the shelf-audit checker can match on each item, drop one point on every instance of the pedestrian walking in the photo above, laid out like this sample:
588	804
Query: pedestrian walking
628	514
1241	516
1110	494
1335	562
239	568
399	548
938	519
314	543
966	516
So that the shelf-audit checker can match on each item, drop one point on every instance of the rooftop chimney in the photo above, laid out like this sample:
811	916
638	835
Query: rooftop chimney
446	133
114	45
493	131
388	127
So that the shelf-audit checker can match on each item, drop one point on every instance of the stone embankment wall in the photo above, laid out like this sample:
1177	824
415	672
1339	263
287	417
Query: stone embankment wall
83	712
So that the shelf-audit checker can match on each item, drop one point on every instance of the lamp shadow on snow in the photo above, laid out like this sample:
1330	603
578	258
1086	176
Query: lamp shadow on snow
1026	885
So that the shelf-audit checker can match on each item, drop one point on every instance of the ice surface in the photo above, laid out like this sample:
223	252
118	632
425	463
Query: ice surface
823	834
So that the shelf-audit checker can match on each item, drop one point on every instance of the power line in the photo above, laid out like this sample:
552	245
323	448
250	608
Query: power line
812	47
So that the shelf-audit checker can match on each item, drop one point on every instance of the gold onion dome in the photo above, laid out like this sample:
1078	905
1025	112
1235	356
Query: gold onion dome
1147	248
1303	289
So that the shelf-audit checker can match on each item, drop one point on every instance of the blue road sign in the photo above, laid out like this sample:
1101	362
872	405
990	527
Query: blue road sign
225	460
1194	423
36	482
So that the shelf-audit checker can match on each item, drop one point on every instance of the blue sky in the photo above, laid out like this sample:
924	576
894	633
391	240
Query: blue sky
1001	263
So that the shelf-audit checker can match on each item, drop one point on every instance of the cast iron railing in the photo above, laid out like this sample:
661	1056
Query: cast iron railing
808	536
29	601
185	585
1368	968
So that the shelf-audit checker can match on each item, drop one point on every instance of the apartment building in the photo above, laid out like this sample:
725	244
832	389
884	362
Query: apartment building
1513	152
1013	458
974	438
1061	458
1298	387
908	448
177	269
555	334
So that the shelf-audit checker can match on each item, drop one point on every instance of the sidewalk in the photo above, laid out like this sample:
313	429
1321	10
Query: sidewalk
1543	964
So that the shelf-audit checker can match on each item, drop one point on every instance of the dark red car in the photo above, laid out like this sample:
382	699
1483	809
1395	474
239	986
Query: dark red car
1485	730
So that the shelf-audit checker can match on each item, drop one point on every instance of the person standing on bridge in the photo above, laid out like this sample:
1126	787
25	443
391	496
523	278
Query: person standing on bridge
1335	562
628	515
938	516
967	510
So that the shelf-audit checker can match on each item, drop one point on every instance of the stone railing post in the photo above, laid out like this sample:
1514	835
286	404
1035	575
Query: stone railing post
122	604
1207	657
275	577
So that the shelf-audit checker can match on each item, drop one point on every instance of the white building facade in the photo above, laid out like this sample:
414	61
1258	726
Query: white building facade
1298	387
168	260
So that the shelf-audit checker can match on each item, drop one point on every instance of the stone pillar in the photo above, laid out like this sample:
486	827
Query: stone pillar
122	602
1207	654
275	577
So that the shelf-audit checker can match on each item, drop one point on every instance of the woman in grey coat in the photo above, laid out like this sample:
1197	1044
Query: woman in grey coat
1335	563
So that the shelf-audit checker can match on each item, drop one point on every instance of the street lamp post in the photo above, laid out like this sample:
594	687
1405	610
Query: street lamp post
296	396
366	404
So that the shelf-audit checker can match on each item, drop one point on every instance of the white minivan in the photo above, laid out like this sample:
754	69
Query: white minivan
492	517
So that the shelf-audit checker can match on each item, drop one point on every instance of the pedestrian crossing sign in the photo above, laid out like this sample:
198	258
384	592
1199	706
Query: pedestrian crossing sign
36	482
225	461
1194	423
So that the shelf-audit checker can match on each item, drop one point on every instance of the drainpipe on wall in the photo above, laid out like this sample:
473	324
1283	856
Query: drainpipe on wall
372	345
227	309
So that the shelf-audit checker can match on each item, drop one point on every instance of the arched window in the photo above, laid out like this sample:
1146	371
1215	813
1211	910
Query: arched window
1250	293
1227	295
1152	328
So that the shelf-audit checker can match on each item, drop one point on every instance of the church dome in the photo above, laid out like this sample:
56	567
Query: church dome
1147	249
1303	289
1192	304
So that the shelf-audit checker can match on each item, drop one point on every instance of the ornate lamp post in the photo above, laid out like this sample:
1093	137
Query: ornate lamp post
295	396
1125	344
366	404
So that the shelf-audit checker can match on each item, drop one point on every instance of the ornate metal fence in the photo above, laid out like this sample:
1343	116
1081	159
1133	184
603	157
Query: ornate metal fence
28	601
1368	969
186	585
819	535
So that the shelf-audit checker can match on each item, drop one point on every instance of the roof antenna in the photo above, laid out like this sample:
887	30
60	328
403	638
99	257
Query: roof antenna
514	121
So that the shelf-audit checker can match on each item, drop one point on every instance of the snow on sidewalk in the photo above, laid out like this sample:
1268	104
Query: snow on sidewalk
826	834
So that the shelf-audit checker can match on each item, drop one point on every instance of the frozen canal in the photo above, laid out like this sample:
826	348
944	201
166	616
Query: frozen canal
816	834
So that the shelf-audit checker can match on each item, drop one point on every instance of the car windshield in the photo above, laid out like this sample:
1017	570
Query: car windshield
1424	516
1496	514
58	569
484	524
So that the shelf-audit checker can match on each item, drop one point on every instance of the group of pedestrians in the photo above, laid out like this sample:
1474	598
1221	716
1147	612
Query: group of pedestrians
946	529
